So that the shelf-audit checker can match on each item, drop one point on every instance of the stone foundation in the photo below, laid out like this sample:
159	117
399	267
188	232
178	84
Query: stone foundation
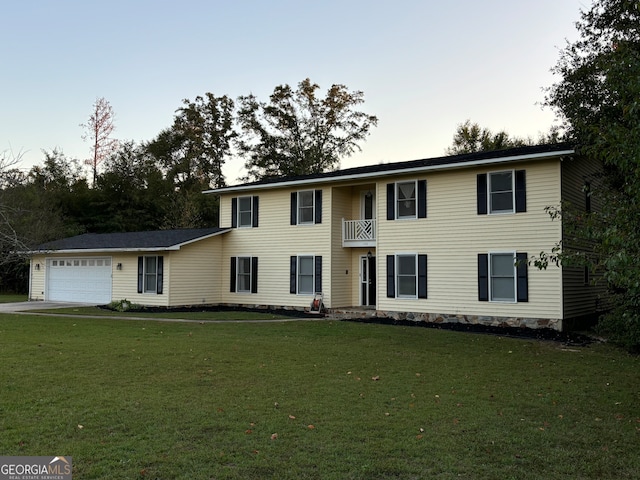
518	322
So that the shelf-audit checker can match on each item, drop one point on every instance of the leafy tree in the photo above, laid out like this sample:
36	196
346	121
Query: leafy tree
297	133
193	150
133	192
471	137
597	98
98	130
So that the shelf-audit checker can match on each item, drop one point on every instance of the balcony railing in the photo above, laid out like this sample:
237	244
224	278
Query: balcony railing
358	233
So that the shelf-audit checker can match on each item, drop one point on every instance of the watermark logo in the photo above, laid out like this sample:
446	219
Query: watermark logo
35	468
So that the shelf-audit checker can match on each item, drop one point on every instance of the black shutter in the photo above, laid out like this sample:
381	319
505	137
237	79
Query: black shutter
523	282
254	274
294	208
483	277
318	206
391	201
422	276
391	276
140	274
293	275
521	191
254	219
318	274
422	199
160	278
482	193
232	275
234	212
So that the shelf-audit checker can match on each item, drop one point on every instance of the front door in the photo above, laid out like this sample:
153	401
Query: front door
368	281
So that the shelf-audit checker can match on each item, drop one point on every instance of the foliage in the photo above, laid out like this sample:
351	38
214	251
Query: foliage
470	138
310	400
193	150
98	130
298	133
123	305
598	101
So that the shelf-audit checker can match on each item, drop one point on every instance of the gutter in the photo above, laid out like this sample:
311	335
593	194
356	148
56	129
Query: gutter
387	173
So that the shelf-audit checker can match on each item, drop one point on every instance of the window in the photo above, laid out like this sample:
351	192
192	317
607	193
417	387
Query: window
406	203
407	276
306	207
244	274
244	212
501	192
306	274
407	200
150	274
502	272
503	277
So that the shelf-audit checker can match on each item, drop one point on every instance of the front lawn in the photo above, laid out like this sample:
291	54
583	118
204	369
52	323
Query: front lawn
316	400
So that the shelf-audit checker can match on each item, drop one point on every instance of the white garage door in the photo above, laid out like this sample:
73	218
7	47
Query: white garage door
86	280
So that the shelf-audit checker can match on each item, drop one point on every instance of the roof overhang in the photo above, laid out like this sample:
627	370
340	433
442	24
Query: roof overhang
391	172
107	250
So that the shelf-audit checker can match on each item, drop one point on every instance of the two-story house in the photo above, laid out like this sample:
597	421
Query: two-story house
446	239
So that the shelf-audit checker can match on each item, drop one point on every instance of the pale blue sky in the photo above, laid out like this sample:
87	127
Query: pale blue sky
424	66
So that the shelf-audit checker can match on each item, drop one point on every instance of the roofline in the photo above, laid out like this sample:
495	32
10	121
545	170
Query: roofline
386	173
174	247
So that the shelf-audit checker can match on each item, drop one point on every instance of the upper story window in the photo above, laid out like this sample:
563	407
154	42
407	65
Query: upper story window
306	207
244	212
407	200
501	192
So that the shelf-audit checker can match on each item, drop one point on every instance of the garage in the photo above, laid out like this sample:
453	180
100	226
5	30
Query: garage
85	279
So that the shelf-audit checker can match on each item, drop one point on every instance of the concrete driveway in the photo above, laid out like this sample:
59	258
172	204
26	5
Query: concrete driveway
26	306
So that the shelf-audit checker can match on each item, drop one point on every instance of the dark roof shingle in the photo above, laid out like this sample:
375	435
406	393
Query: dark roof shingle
157	239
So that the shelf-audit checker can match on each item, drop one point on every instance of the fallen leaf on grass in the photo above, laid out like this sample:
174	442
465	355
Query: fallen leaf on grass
274	436
292	417
376	378
310	427
248	431
80	426
419	436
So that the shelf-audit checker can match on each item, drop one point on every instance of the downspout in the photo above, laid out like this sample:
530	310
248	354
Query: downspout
30	277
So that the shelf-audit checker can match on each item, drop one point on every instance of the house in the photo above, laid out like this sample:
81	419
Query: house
161	268
445	239
441	240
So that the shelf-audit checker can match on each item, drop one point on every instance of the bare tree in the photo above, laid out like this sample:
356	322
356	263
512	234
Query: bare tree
98	130
11	245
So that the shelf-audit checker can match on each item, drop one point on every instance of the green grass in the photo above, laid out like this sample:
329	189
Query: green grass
144	399
13	297
171	314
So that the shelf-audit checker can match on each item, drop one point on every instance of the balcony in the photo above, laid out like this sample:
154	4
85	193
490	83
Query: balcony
358	233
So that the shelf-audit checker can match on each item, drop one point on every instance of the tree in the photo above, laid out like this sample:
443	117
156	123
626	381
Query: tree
470	138
194	150
10	241
98	130
597	99
297	133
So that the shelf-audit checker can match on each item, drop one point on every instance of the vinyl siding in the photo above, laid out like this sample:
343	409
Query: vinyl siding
125	281
38	277
343	275
274	242
579	298
196	273
453	235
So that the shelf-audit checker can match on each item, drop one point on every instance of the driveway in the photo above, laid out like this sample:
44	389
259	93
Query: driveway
26	306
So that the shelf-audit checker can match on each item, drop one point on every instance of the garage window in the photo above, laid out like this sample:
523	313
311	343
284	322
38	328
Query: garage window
150	274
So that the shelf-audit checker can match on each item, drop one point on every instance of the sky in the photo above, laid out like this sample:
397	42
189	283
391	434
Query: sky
425	66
